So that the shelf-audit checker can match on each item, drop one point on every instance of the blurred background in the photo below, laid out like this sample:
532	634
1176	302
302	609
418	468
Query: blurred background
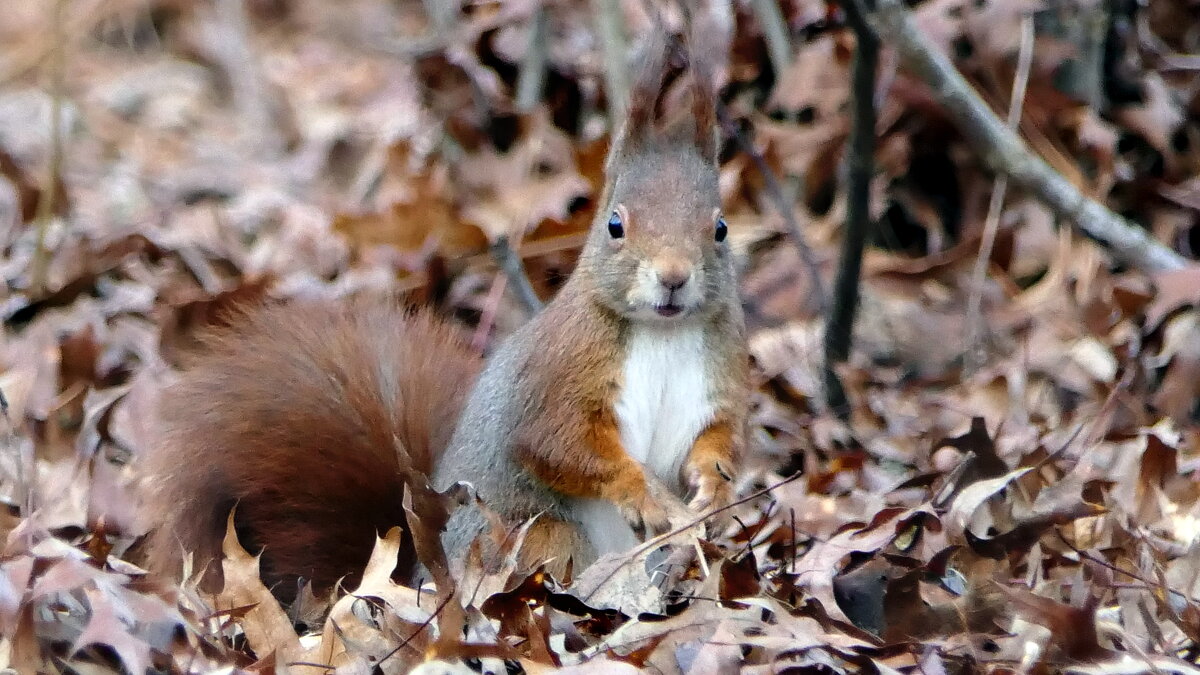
161	160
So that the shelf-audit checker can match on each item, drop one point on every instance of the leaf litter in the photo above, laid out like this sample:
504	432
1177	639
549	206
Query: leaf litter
1038	514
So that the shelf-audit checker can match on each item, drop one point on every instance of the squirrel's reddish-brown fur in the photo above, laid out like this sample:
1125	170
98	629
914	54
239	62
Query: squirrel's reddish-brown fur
300	416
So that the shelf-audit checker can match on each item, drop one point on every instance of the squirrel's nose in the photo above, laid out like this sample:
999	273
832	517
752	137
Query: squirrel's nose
673	275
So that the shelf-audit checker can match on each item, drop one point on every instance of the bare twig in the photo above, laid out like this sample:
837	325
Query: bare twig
860	161
518	278
487	318
975	350
532	77
1004	152
609	23
10	443
1086	29
775	194
25	462
45	207
657	541
775	32
437	612
511	264
238	58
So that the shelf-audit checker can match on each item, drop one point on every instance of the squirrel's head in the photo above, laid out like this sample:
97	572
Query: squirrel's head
658	250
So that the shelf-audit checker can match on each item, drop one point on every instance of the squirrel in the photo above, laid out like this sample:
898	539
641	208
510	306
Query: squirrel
627	394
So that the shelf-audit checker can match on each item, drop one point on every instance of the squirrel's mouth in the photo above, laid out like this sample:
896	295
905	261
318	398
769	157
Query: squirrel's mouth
668	310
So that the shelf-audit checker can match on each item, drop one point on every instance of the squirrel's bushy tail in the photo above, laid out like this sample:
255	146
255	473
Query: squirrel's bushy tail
300	416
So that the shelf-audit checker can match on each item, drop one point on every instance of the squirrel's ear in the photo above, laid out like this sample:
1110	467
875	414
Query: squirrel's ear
704	109
704	96
644	93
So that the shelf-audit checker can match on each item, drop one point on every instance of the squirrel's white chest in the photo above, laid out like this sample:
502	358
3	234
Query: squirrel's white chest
664	401
663	405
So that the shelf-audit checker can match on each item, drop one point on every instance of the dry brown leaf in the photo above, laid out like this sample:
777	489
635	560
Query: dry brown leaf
267	629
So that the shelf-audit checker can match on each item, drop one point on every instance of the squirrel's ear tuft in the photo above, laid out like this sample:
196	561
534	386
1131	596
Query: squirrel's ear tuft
661	54
704	108
646	89
704	95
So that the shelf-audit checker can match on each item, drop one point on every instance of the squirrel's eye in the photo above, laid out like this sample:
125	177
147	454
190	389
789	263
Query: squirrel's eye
615	227
722	229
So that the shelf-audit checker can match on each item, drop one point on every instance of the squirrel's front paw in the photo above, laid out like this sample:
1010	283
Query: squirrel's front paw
656	510
709	486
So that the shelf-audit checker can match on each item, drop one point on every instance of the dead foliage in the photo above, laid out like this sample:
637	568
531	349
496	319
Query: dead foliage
1040	514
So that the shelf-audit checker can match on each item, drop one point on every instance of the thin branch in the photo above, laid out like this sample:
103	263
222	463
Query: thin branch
518	278
659	540
609	26
775	194
45	208
775	32
10	443
511	264
975	353
238	58
860	162
1150	583
437	612
1004	152
531	79
487	318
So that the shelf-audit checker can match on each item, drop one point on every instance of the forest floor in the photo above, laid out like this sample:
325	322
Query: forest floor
1034	508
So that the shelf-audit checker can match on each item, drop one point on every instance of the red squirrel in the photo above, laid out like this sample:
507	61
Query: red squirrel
625	396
